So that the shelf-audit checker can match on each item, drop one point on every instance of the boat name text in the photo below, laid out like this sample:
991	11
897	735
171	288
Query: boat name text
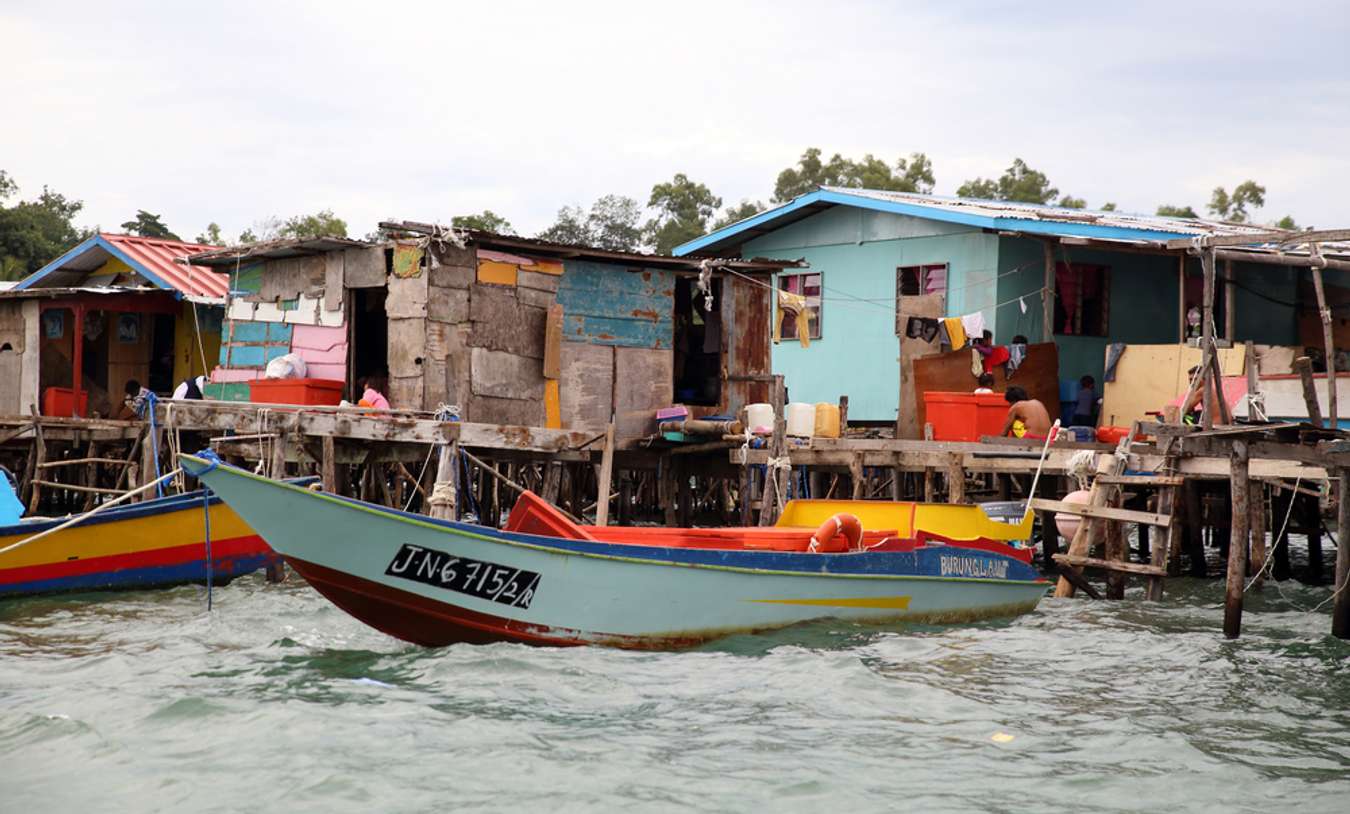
485	580
957	566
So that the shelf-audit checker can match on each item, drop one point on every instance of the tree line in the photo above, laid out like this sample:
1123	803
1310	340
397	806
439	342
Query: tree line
35	231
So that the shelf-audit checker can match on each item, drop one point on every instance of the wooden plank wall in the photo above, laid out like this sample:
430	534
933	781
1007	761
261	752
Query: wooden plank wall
951	373
908	424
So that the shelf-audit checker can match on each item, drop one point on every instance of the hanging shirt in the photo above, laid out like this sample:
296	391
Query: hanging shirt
1017	353
973	324
795	304
955	331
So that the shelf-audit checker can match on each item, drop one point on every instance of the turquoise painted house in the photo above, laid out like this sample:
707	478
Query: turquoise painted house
1110	274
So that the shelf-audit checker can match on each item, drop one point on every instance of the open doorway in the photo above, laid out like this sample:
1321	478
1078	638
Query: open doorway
369	348
698	344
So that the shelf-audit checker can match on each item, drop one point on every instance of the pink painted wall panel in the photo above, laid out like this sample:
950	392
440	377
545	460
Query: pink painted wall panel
322	346
235	374
322	371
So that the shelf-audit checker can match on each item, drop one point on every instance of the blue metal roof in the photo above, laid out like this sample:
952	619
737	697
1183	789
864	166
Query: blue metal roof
1000	215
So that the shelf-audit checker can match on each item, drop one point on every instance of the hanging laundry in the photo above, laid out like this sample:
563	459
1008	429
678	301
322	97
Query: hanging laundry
1022	303
795	304
925	328
1113	353
998	355
944	339
1017	354
973	324
955	331
976	362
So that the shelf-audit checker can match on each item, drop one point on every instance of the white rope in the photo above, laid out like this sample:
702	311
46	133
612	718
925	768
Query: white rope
1270	556
774	466
82	517
1081	466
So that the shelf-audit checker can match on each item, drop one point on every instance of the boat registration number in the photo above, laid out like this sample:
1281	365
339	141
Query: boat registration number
485	580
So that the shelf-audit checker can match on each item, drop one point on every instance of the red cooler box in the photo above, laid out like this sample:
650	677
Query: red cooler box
296	391
965	416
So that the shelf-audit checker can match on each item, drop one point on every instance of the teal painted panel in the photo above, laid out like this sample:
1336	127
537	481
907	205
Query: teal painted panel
858	352
609	305
847	225
279	332
226	391
246	356
248	280
249	332
273	351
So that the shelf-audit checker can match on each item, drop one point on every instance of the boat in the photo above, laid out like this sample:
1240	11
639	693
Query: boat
545	580
154	543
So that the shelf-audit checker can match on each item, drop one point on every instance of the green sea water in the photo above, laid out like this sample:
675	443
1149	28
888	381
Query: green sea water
276	701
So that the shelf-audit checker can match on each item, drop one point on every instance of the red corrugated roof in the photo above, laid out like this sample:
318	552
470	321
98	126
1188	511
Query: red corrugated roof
158	256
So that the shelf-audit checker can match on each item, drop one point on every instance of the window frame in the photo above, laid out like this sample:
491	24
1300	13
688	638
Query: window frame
1074	311
815	302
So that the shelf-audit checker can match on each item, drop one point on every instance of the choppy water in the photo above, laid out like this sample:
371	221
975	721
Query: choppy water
276	701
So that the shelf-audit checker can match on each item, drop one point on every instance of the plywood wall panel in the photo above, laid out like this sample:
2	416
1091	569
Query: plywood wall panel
586	385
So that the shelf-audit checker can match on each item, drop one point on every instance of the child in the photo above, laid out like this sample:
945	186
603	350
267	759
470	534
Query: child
372	394
1085	408
986	383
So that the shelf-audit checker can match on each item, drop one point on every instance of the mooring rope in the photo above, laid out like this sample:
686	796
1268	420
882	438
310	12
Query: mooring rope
150	405
213	461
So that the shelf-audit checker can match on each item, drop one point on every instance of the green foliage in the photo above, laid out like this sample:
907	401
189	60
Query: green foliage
741	211
321	224
914	174
1018	183
1234	207
1286	222
35	232
1170	211
570	227
485	221
613	223
683	210
146	224
211	237
1109	206
1070	202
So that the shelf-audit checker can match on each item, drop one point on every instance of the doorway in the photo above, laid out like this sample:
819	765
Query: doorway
369	348
698	344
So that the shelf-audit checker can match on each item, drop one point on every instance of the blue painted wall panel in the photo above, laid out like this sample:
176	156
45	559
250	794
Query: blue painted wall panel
607	304
249	332
247	356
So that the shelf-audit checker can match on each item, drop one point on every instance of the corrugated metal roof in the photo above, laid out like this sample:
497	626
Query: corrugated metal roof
274	250
154	259
1052	221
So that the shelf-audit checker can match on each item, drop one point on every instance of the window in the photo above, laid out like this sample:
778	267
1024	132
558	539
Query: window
809	286
1082	299
914	281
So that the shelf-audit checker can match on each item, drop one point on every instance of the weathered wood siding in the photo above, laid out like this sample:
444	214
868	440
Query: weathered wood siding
607	304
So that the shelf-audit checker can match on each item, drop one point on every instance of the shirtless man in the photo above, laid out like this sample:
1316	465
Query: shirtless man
1027	417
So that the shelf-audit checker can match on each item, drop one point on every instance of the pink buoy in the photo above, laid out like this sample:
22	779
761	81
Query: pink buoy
1068	523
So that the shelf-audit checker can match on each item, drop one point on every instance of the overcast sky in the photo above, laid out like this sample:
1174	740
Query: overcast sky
242	110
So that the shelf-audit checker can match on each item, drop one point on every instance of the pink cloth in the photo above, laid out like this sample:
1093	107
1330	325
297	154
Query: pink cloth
1234	388
372	397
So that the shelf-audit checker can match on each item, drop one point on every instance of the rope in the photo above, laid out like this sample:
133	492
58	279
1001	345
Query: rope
150	405
1270	556
214	461
1081	466
773	467
82	517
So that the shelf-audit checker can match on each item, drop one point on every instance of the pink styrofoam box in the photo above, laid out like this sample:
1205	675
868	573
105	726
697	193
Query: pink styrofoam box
226	375
319	345
322	371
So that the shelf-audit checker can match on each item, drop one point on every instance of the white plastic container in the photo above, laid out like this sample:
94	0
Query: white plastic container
801	419
759	417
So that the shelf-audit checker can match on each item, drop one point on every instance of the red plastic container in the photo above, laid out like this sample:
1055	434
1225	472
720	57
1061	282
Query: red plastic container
1112	435
60	401
327	392
964	416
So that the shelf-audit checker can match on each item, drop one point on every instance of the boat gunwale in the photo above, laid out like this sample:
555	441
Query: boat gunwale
484	534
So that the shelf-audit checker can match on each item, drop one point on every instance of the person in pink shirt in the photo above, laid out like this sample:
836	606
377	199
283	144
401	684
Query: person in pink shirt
372	393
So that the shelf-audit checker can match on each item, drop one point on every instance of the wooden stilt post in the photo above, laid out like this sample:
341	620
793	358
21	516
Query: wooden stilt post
855	474
329	472
39	458
1303	367
1329	343
929	484
1207	337
956	479
154	441
1089	529
278	463
1116	551
775	480
1237	546
606	477
443	494
1340	608
897	477
1048	294
1258	533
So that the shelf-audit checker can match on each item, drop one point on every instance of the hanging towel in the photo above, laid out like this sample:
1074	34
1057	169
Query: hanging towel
956	332
973	324
924	328
944	339
795	304
1017	353
997	356
1113	354
976	362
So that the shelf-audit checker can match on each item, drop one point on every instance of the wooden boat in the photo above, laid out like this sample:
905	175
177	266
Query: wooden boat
544	580
140	545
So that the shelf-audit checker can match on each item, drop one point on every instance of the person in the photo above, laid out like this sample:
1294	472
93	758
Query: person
1085	406
1027	417
986	383
372	392
190	389
1191	412
134	403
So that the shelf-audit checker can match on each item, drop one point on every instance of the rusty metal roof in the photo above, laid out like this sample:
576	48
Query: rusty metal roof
156	260
273	250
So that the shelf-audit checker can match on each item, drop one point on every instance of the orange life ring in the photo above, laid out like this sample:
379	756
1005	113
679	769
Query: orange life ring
844	524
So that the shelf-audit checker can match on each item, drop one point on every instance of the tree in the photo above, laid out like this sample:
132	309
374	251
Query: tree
212	236
1018	183
914	174
683	209
146	224
1286	222
321	224
615	223
739	212
1234	207
485	221
1170	211
570	228
1070	202
34	232
1109	206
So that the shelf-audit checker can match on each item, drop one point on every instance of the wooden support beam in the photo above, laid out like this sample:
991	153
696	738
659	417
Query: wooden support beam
1340	608
956	479
1101	512
329	465
1048	294
1207	337
1075	578
606	478
1138	569
1281	259
1237	544
39	456
1303	367
855	472
1282	236
1142	480
1329	344
1258	533
775	479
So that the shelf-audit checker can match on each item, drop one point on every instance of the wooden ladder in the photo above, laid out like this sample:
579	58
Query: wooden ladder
1103	517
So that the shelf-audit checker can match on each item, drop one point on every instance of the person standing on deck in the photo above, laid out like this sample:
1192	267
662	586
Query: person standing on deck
1027	417
1191	412
1085	406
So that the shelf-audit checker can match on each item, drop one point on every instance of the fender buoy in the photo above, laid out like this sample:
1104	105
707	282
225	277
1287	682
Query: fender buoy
1067	524
843	523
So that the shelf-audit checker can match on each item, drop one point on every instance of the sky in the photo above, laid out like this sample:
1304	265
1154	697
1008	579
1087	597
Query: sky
234	112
